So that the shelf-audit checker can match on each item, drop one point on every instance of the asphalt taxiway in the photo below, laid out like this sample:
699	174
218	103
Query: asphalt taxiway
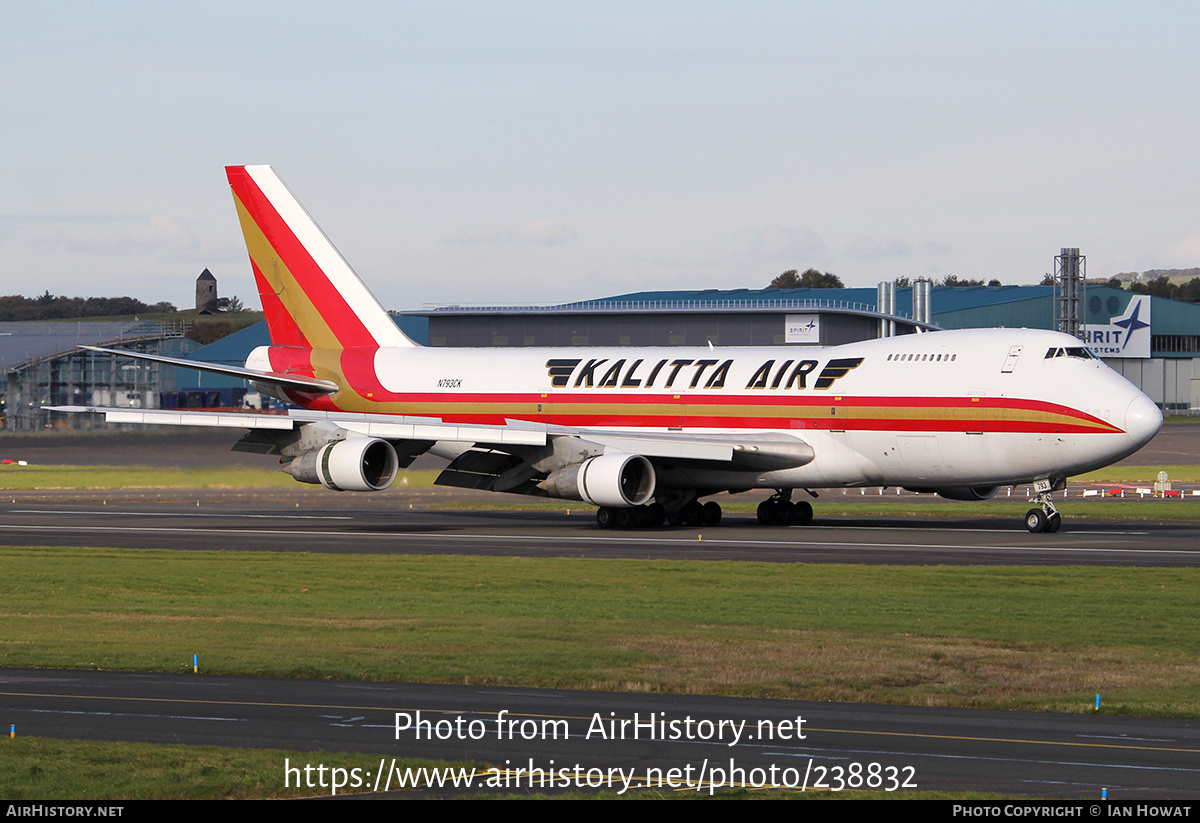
212	521
704	739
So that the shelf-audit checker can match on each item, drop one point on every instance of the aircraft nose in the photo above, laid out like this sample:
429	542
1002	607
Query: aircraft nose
1142	419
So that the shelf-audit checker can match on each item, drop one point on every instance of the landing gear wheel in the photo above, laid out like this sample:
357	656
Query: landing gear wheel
785	510
712	513
1036	521
606	517
656	514
767	513
802	515
1047	518
692	514
779	510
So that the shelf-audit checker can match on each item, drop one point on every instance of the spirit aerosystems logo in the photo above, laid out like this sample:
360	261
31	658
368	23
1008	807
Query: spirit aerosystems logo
1125	336
802	328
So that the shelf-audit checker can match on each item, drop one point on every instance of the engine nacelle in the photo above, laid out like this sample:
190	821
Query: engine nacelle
358	464
968	492
621	480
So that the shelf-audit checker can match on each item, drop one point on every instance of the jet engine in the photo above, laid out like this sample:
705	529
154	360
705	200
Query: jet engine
968	492
620	480
357	464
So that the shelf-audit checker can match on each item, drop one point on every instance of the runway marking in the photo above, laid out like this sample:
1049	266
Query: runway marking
132	714
523	694
110	513
965	529
608	540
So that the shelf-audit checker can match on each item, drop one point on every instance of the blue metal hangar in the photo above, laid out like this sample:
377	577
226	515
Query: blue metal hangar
1153	341
44	366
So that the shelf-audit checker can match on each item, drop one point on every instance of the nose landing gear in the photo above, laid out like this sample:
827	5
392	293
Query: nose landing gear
1047	518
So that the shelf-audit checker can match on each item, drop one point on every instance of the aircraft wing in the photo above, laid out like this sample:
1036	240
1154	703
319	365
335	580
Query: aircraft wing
170	417
520	471
761	451
511	458
384	426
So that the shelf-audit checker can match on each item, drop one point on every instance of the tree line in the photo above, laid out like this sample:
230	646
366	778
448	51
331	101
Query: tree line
813	279
51	307
1162	286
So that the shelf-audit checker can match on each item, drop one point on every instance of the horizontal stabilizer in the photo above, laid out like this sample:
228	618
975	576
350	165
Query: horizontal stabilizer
296	382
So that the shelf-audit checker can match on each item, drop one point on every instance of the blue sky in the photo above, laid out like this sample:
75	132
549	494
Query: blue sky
480	152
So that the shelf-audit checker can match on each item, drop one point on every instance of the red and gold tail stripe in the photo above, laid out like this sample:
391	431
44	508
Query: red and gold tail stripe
287	273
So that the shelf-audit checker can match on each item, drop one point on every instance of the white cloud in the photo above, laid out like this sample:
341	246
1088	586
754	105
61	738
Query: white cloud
481	234
775	242
1185	252
933	247
544	232
877	248
158	237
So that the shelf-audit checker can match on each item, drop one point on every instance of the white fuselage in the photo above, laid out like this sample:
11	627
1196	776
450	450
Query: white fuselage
942	409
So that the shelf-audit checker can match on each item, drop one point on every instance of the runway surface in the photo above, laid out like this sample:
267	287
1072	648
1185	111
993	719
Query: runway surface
1014	753
219	522
303	518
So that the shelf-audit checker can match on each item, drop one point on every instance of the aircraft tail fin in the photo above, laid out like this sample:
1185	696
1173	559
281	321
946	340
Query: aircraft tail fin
310	295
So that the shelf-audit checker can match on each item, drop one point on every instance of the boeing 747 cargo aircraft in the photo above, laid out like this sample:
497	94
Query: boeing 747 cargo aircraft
646	434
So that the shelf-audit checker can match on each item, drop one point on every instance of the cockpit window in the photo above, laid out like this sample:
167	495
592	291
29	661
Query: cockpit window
1072	351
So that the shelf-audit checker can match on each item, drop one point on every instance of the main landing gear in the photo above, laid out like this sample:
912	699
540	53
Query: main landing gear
1047	518
692	513
779	510
637	517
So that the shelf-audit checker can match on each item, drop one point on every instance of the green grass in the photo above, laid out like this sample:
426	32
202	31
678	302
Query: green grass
1044	638
30	478
1140	474
1033	638
41	769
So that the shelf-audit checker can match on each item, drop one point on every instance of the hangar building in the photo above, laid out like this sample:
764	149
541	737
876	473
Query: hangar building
44	366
